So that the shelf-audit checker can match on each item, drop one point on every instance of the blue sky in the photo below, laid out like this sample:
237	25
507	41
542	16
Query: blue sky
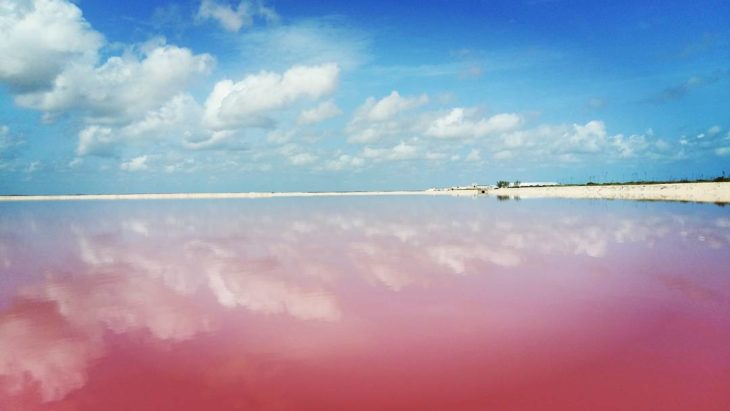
215	95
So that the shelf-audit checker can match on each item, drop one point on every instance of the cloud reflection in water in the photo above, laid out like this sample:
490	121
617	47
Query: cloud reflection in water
173	272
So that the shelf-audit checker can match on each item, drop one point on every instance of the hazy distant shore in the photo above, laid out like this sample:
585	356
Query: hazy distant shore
180	196
695	192
709	192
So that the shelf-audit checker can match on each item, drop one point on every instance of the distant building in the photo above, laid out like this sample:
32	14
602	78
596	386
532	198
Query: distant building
537	184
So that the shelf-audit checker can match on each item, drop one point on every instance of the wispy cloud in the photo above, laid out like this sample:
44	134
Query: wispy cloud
679	91
312	41
233	18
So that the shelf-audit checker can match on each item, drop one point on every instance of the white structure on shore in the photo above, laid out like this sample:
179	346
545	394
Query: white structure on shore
535	184
483	188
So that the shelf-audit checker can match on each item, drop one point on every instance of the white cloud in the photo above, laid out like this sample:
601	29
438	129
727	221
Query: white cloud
177	122
294	154
361	133
576	143
433	155
714	130
723	151
629	146
10	147
135	164
95	140
229	19
596	103
40	38
502	155
589	137
50	63
32	167
124	87
280	136
4	140
387	107
401	151
474	155
306	42
344	161
301	159
377	119
249	102
460	123
321	112
233	19
182	111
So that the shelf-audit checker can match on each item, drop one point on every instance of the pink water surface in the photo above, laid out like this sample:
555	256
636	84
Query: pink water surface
394	303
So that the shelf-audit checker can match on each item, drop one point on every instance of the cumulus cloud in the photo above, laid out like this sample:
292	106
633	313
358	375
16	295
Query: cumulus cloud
319	113
401	151
135	164
229	18
296	156
233	19
387	107
461	123
124	87
249	102
576	143
51	63
180	114
376	119
301	159
95	140
589	137
177	123
344	162
630	146
40	38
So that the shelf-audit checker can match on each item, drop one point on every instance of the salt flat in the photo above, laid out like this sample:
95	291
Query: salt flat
182	196
696	192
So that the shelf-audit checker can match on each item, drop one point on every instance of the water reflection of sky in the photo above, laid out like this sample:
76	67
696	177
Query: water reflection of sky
374	303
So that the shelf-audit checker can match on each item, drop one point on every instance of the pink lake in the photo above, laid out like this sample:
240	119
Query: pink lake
348	303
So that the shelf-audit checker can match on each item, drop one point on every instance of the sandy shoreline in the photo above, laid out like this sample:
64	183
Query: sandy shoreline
695	192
